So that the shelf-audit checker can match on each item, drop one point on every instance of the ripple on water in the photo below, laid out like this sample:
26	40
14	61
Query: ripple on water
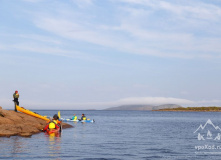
115	135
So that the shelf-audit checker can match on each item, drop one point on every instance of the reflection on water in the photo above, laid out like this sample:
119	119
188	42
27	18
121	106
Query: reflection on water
54	145
115	135
80	130
18	146
12	147
34	147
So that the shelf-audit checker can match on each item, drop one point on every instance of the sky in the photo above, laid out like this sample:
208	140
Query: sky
93	54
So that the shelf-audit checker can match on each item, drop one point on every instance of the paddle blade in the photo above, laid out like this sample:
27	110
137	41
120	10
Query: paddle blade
59	114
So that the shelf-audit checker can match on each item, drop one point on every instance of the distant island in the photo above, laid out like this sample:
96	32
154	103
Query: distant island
165	107
192	109
143	107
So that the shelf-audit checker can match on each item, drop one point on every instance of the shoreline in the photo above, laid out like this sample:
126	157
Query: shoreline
20	124
182	111
191	109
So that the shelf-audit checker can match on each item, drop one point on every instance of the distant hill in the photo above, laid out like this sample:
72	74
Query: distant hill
167	106
144	107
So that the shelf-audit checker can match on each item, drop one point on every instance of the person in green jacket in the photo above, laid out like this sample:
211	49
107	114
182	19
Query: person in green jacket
16	96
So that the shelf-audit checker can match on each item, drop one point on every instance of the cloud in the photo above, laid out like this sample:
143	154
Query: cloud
76	31
124	101
198	10
195	9
32	47
40	38
208	103
109	38
174	35
32	1
83	3
185	30
101	105
7	103
154	100
57	51
142	31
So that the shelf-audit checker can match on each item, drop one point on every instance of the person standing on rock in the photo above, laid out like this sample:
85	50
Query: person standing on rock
16	96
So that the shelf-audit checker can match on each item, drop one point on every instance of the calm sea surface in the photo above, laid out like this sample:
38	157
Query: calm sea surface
121	135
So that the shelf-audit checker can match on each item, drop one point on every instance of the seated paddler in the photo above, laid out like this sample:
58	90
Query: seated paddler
74	117
83	117
51	125
56	119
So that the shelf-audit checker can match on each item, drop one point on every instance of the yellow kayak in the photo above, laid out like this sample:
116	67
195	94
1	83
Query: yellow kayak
23	110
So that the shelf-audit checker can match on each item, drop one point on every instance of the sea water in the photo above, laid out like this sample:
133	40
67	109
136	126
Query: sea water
122	135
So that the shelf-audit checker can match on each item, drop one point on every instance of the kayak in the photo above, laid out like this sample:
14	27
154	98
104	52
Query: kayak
91	121
26	111
70	120
50	131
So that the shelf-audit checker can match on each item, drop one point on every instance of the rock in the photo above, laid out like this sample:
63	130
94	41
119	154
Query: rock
65	125
14	123
25	134
7	133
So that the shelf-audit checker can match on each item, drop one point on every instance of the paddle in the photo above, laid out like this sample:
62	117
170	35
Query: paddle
59	116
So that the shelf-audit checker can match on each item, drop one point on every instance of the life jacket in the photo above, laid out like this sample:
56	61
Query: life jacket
57	122
74	117
51	125
84	118
15	95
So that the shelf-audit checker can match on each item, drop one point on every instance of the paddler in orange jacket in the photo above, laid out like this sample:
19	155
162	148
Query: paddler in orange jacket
55	119
51	125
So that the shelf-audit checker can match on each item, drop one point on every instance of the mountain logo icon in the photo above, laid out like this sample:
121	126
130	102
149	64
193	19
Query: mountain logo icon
208	124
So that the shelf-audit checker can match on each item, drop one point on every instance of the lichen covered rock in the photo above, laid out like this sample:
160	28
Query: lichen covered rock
14	123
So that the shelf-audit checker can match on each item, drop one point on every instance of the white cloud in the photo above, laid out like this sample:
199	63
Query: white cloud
131	34
33	1
175	35
83	3
134	33
40	38
77	31
32	47
109	38
209	102
7	103
195	9
154	100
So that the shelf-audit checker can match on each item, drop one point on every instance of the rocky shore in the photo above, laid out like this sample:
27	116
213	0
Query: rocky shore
19	124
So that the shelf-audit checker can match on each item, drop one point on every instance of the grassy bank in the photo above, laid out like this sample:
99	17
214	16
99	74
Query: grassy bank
193	109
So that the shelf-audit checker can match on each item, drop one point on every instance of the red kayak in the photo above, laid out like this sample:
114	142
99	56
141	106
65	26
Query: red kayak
50	131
